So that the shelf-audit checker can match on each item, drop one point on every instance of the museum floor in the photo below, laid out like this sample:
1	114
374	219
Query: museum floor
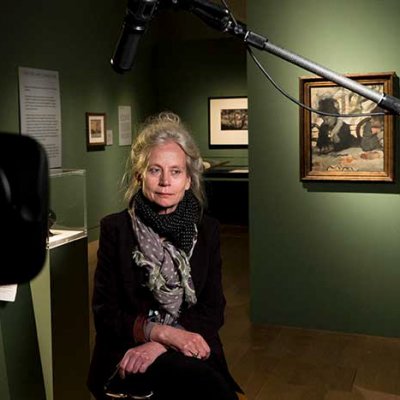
281	363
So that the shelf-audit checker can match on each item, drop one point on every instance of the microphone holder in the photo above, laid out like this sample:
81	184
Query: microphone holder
220	18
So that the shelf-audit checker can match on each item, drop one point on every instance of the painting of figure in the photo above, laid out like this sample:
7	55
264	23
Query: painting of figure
348	137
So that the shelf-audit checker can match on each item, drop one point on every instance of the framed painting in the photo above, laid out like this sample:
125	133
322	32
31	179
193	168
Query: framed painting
228	122
355	148
96	129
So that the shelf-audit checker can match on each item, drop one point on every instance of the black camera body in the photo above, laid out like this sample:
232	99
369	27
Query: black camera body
24	199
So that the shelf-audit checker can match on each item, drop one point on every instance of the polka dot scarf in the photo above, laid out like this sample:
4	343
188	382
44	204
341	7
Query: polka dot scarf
178	227
164	248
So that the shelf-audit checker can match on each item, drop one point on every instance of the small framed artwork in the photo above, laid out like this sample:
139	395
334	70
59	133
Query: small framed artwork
96	129
354	148
228	122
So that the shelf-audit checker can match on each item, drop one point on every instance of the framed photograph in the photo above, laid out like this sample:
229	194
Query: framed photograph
359	148
96	129
228	122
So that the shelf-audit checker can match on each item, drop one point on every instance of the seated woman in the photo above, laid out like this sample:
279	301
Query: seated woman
158	301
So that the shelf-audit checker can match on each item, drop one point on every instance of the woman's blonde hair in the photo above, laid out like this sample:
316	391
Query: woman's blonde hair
157	130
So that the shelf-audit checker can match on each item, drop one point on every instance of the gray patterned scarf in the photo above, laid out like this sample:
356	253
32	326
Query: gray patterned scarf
167	267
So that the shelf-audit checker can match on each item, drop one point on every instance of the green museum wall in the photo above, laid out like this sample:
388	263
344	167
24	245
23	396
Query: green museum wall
323	255
189	72
77	39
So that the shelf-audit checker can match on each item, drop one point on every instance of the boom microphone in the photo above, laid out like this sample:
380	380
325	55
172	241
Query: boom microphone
138	15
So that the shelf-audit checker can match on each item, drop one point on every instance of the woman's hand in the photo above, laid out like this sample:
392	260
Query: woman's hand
138	359
189	343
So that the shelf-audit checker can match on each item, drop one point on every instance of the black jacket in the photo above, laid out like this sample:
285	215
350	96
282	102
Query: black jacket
120	296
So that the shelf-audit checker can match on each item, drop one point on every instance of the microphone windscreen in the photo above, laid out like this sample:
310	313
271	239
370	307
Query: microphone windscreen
124	55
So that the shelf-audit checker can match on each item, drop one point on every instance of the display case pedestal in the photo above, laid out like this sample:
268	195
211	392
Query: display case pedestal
61	308
44	334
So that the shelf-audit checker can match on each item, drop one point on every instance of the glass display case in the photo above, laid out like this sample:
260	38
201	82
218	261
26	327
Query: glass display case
67	218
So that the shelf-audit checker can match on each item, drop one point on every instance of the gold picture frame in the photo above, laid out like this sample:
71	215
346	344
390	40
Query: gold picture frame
359	148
